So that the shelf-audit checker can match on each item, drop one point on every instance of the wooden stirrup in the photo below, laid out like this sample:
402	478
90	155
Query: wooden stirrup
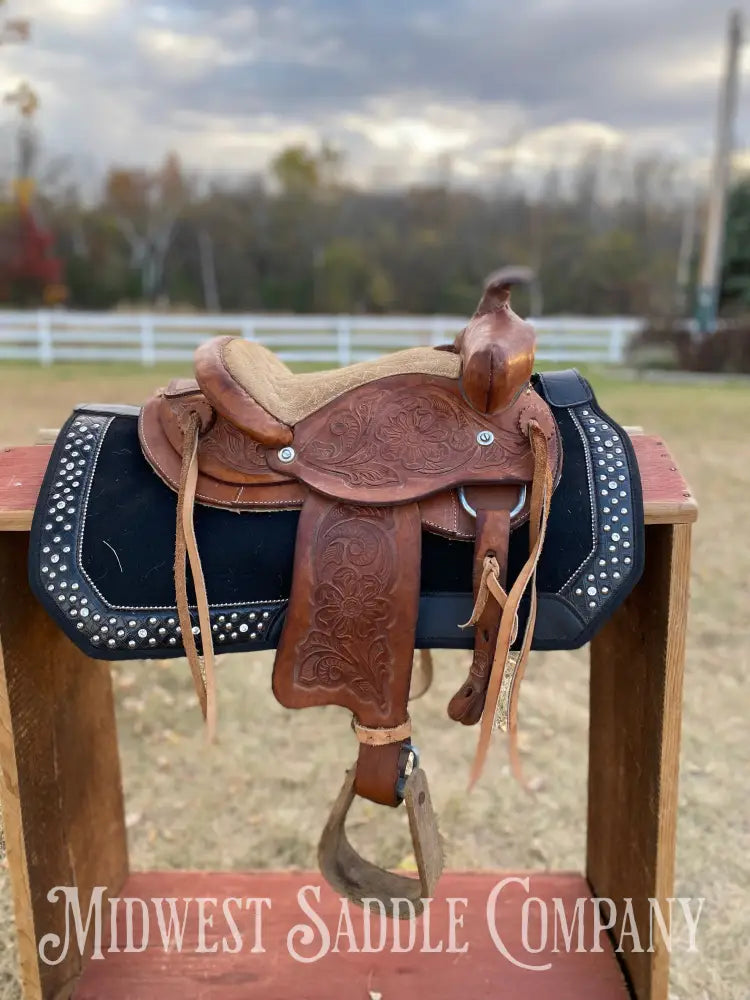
357	880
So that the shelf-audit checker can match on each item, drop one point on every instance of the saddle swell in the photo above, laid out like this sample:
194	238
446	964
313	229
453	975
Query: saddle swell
454	441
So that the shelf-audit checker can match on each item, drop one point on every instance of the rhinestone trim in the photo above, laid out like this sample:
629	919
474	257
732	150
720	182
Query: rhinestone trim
611	505
142	631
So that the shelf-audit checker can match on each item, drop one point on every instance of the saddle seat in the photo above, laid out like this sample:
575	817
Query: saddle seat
263	397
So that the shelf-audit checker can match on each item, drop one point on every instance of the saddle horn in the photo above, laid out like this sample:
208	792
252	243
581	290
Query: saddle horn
497	350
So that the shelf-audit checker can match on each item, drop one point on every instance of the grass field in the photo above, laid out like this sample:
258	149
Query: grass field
259	798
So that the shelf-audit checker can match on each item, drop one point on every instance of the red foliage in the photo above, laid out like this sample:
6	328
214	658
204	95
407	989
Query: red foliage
32	258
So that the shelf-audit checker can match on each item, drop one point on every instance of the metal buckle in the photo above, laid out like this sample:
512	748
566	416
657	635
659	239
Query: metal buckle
472	513
408	762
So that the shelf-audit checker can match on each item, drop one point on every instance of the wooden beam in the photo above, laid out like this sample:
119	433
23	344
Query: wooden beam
637	663
667	497
59	773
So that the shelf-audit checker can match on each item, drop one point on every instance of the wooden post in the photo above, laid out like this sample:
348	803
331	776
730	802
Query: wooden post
44	333
636	705
344	340
59	774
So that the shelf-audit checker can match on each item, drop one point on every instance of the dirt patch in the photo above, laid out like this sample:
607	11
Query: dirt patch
259	799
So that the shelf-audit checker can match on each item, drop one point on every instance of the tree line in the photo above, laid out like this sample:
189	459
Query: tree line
604	238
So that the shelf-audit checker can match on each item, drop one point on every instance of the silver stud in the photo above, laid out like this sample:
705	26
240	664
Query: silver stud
131	643
591	591
578	591
265	614
286	454
253	635
592	604
84	612
253	616
616	575
142	633
244	627
627	560
485	438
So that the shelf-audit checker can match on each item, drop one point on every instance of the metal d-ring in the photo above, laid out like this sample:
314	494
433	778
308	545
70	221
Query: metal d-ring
472	513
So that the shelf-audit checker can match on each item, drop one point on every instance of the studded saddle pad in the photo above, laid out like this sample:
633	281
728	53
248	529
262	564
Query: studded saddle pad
102	544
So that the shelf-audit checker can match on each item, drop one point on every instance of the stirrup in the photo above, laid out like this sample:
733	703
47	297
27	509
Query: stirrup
357	879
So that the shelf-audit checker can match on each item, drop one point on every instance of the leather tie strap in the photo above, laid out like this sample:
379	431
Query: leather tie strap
186	549
505	675
381	736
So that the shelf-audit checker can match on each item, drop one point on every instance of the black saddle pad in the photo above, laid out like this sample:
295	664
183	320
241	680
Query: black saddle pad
102	544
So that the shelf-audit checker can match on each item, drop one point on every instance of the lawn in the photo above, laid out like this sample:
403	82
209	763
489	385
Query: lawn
259	798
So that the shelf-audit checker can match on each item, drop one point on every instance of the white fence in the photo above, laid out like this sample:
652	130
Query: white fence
146	338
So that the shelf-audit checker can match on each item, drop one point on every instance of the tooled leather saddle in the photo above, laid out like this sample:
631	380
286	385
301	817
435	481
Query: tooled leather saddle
364	486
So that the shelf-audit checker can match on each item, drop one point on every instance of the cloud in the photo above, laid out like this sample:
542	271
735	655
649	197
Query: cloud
401	87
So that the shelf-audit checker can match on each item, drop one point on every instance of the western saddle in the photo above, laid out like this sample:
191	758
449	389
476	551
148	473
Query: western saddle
454	439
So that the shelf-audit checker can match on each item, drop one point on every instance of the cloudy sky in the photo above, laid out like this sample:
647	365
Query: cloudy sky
403	88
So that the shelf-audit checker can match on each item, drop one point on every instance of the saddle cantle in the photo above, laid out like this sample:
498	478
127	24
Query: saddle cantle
384	470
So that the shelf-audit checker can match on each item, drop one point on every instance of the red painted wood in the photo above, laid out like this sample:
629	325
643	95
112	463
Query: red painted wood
21	474
667	498
481	972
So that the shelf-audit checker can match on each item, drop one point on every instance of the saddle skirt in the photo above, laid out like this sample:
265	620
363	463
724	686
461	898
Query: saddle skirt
434	498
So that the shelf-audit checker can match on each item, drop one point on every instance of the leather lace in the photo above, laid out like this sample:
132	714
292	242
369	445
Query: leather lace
506	674
186	550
